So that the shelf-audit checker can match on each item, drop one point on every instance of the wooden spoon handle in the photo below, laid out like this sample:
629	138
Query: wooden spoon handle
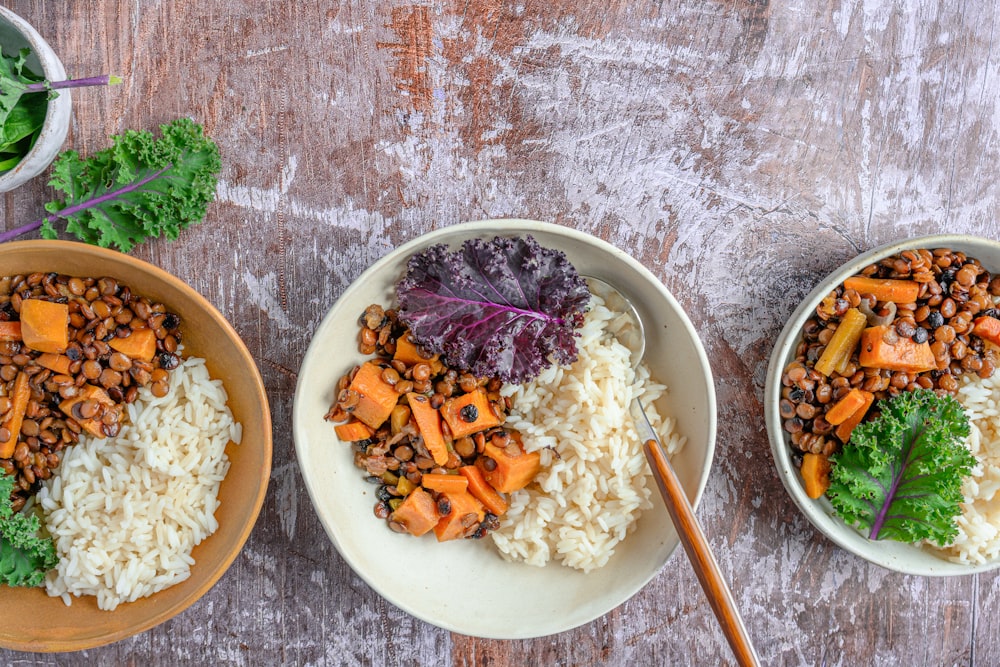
719	596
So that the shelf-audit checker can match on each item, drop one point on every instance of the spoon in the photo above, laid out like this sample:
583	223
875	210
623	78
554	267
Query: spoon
720	598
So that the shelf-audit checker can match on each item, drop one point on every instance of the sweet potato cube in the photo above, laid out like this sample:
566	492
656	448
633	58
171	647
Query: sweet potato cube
882	348
509	472
418	513
377	397
89	392
815	474
10	331
409	353
57	363
140	344
353	431
45	325
987	328
19	396
465	512
429	424
469	413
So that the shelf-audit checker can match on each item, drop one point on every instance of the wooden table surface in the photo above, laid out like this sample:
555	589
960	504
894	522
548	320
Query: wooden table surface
741	149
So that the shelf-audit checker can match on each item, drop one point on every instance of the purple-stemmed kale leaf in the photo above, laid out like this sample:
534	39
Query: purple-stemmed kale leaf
900	476
502	308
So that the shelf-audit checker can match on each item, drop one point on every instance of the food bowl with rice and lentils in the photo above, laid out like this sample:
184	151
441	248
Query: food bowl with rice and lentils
475	422
883	405
135	439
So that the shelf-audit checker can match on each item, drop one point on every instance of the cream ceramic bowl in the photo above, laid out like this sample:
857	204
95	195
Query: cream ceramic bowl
34	621
464	586
896	556
15	34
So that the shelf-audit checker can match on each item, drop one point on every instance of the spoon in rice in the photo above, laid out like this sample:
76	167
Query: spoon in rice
688	529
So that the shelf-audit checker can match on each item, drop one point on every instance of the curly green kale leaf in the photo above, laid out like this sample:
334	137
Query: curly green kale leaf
900	476
139	187
25	557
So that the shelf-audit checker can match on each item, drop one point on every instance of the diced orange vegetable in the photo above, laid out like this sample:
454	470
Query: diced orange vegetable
987	328
815	474
455	524
444	483
901	355
10	330
850	403
58	363
140	344
429	424
482	491
45	325
409	353
509	473
845	427
377	397
89	392
469	413
842	344
353	431
19	396
885	289
418	513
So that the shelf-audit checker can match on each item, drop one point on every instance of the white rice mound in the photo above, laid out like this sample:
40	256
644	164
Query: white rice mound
978	539
126	512
594	480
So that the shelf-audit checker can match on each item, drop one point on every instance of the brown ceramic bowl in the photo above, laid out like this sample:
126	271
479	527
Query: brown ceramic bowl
33	621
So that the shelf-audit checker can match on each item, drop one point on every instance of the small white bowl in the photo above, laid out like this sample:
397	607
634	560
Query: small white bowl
465	586
15	34
905	558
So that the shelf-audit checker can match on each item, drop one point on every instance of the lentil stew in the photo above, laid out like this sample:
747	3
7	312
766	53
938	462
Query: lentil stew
917	319
108	342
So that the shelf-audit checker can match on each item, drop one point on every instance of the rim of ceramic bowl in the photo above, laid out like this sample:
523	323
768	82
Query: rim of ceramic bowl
57	115
48	249
896	556
510	226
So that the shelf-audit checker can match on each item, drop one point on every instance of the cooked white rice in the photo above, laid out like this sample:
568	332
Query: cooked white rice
126	512
978	538
593	484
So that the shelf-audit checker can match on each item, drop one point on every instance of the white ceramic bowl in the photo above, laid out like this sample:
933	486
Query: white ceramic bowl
464	586
15	34
896	556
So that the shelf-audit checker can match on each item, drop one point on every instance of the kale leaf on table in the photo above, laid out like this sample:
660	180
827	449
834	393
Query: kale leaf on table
900	476
499	308
21	116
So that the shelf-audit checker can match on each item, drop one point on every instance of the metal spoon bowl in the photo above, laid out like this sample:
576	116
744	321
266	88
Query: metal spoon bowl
689	531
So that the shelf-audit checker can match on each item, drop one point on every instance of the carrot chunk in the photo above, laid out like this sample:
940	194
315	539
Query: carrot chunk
10	330
444	483
45	325
882	348
429	424
845	407
469	413
418	513
140	344
19	396
846	427
885	289
409	353
353	431
376	396
482	491
465	511
815	474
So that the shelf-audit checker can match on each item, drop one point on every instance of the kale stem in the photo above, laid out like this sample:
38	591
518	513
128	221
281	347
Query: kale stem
42	86
84	205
